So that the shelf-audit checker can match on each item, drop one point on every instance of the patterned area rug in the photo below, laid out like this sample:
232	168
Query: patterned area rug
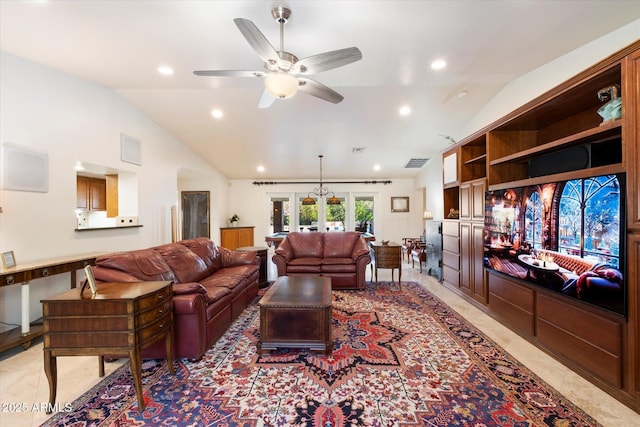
401	358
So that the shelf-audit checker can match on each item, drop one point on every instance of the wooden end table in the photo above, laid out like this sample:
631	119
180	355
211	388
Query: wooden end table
387	256
295	312
122	318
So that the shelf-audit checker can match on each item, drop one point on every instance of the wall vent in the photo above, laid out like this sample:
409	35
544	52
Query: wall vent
416	163
357	150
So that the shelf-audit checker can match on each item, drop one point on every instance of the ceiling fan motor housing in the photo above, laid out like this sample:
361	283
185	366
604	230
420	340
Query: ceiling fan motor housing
281	14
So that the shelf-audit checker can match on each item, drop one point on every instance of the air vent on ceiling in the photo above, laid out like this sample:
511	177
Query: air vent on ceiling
416	163
357	150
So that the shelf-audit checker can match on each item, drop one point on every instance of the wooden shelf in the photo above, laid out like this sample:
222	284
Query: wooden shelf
602	133
13	337
478	159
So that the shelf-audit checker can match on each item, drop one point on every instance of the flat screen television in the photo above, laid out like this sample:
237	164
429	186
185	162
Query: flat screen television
566	236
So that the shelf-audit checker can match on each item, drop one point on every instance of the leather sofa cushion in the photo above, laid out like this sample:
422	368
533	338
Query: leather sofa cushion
224	278
337	261
207	251
339	268
186	265
306	245
306	261
144	264
339	245
216	293
309	269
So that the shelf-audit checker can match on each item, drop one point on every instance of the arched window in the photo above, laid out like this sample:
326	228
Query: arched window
533	220
589	220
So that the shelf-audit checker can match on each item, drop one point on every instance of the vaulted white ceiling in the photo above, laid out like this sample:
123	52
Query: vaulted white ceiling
120	44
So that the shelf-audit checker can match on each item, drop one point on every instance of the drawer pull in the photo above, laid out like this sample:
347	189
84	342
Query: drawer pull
161	325
10	280
160	311
160	296
45	272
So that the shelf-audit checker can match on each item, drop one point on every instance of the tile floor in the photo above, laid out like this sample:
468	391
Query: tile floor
23	384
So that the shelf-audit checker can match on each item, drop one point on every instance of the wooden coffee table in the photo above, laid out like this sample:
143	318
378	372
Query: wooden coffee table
295	312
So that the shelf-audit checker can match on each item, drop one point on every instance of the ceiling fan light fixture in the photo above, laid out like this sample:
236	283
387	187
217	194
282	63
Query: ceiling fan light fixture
281	85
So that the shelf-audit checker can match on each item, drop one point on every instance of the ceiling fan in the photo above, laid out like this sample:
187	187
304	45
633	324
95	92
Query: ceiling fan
284	73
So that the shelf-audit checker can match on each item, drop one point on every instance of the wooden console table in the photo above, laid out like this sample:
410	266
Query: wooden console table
387	256
22	274
122	318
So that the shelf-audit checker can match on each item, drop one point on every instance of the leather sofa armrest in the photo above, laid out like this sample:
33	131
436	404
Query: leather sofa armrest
188	288
232	258
189	303
285	250
360	248
281	264
102	274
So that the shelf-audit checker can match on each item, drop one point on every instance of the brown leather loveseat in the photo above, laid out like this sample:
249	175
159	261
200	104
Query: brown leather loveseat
343	256
211	287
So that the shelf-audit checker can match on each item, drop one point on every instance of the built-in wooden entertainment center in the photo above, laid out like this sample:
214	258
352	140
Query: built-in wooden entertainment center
601	345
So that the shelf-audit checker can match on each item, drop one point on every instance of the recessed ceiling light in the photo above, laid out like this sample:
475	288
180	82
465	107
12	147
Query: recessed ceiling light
438	64
260	168
377	167
217	113
165	71
405	110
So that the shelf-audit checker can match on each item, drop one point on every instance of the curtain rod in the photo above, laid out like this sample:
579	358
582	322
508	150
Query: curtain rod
385	182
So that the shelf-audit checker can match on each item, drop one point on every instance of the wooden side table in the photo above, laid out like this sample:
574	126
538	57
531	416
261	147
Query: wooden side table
388	256
122	318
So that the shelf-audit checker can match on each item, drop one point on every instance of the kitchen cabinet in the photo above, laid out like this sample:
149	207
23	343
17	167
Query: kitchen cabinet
235	237
91	193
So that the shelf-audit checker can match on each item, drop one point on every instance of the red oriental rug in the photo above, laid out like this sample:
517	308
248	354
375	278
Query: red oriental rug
401	358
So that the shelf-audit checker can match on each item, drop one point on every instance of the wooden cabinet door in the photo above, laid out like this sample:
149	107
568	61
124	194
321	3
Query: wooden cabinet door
82	188
465	201
478	273
245	237
229	238
97	195
477	199
466	257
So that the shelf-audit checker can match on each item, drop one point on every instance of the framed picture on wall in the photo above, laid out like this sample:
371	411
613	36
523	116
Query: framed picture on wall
399	204
195	214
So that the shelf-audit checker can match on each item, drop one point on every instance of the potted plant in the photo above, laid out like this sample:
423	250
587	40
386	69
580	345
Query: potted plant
234	220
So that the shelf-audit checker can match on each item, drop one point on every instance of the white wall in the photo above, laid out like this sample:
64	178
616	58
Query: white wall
250	202
72	119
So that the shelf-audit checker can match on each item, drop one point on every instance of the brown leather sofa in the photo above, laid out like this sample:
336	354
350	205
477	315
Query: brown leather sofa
343	256
211	287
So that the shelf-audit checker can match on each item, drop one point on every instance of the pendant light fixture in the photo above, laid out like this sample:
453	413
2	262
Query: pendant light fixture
321	191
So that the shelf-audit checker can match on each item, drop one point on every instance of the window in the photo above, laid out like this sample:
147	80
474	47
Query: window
591	208
364	214
335	215
533	220
307	215
280	218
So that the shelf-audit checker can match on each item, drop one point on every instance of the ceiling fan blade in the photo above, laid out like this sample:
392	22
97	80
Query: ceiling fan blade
257	40
319	90
266	100
229	73
327	61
